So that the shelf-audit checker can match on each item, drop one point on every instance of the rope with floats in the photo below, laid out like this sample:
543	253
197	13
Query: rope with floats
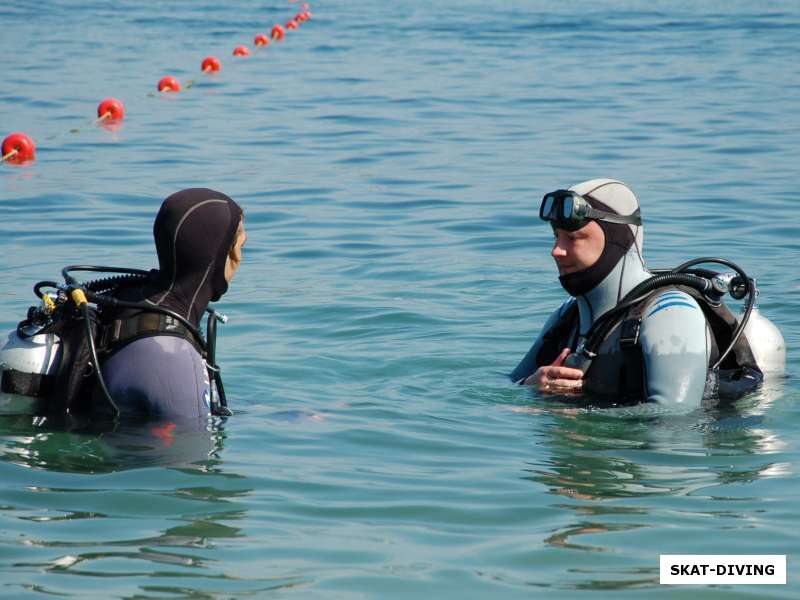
18	148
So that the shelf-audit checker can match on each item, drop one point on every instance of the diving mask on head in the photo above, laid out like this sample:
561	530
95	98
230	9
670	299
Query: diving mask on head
567	210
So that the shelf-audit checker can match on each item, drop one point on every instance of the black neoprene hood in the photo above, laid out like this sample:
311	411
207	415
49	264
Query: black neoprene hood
194	231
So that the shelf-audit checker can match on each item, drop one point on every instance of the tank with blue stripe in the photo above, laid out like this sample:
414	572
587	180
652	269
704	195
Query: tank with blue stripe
672	298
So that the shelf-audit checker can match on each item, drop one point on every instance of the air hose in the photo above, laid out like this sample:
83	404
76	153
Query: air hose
211	358
748	287
79	298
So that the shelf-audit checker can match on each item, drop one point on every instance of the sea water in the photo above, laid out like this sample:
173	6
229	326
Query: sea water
390	158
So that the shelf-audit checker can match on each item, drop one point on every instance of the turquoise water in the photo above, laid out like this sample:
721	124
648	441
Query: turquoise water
390	158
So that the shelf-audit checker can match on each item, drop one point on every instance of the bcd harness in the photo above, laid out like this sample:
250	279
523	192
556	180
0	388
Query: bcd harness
617	368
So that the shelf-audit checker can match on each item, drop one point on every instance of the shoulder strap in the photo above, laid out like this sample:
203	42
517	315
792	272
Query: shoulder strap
632	377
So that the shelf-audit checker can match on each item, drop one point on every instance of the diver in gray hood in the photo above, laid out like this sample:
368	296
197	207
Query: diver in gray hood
625	335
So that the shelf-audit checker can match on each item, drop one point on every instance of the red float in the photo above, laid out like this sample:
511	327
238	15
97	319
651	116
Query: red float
18	148
169	84
211	63
278	33
111	109
291	24
241	51
262	40
305	6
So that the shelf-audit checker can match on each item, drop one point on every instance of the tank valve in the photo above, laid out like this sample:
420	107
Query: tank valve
724	283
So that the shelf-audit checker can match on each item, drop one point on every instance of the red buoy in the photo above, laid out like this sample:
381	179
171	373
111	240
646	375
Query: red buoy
111	109
262	40
305	6
241	51
210	63
278	33
169	84
18	148
291	24
300	17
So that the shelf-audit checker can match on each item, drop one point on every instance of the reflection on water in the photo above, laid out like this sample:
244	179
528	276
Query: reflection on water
78	446
91	527
616	467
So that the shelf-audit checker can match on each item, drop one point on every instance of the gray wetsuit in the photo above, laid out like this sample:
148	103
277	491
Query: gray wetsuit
675	340
159	376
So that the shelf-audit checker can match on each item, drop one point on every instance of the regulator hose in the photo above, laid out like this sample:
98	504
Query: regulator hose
109	283
65	272
749	289
211	358
79	298
96	363
37	289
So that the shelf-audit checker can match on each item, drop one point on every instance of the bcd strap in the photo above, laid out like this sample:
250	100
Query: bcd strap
559	336
27	384
120	332
632	376
629	329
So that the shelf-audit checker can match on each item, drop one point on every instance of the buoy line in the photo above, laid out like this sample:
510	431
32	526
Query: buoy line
19	148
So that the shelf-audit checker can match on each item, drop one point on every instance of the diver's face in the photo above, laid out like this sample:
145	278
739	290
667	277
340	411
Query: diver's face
577	250
235	255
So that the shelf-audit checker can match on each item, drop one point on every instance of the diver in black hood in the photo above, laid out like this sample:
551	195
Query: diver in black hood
156	369
199	235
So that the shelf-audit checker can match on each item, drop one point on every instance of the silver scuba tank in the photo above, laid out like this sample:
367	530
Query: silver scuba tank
767	344
26	361
28	358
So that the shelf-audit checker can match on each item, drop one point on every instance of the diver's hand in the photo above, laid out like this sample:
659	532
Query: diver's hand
556	378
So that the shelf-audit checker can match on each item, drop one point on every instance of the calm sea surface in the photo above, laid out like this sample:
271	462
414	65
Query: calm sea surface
390	157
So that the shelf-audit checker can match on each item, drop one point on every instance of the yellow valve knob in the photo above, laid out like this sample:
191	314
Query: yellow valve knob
78	297
49	304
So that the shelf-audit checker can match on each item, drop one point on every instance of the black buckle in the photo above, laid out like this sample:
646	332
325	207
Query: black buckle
629	332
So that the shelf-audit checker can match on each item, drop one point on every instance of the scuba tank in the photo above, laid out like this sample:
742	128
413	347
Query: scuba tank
37	354
53	351
29	359
767	344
